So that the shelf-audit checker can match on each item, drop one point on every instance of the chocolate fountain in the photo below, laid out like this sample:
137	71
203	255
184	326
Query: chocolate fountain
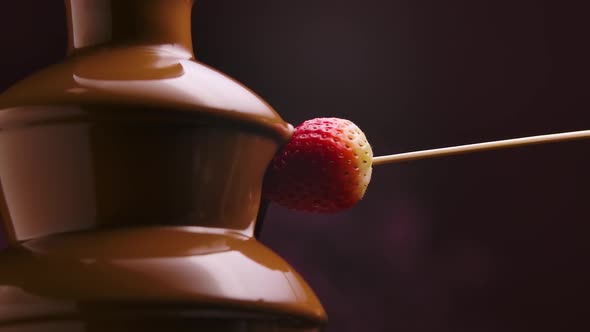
130	187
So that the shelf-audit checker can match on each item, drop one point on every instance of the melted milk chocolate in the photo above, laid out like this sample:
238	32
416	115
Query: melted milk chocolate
130	186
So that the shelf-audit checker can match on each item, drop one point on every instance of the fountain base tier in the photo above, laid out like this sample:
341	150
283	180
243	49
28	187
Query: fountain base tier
147	278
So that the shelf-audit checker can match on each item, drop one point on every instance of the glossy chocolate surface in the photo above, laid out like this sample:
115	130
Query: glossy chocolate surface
89	167
184	271
131	179
145	58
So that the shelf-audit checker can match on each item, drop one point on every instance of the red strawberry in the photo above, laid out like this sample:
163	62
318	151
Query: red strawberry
325	167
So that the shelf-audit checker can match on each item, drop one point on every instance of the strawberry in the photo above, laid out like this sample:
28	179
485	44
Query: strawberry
325	167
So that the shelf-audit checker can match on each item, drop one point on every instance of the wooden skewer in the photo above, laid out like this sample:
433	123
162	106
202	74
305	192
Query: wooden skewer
508	143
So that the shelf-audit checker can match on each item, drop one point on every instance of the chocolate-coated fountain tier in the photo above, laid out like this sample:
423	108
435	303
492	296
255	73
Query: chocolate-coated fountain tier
139	52
130	187
151	75
177	274
82	167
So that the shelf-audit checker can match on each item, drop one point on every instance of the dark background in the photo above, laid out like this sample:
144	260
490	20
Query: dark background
496	241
